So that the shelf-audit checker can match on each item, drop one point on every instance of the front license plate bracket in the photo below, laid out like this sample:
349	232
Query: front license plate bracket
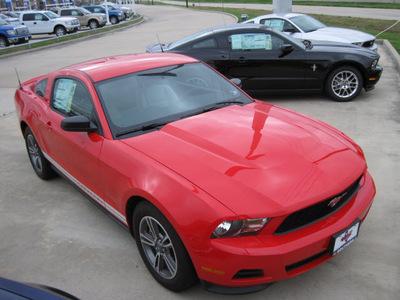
344	238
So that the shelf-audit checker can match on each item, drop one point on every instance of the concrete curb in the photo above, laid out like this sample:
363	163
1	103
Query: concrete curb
392	51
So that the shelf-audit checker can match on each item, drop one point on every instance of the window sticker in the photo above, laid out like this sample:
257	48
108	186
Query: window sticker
63	94
275	23
251	41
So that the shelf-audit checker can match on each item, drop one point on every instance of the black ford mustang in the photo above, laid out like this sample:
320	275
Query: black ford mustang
268	61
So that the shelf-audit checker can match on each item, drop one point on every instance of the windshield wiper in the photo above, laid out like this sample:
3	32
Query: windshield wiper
213	107
142	128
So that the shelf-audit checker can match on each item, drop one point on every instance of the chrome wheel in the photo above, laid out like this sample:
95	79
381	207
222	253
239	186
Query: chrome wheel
158	247
345	84
34	153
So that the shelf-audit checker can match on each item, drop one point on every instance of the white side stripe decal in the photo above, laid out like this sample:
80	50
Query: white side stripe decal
88	191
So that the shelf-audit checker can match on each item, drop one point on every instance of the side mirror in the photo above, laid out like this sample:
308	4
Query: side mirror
236	81
77	124
286	49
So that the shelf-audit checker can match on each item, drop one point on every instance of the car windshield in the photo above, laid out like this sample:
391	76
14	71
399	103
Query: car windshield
147	100
51	15
307	23
2	22
189	38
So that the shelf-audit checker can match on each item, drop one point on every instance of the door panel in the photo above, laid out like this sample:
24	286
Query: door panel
257	59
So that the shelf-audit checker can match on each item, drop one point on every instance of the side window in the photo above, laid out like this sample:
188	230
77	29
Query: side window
71	98
207	43
255	41
40	88
39	17
28	17
65	13
274	23
74	12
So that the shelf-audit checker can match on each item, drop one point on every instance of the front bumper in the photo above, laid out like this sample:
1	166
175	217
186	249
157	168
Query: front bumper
373	78
18	40
251	263
73	28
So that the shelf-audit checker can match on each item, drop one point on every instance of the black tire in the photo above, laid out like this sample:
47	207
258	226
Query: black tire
40	164
60	30
344	84
161	249
93	24
3	42
114	20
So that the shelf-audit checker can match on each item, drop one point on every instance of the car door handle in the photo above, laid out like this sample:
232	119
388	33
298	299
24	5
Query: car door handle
34	23
242	59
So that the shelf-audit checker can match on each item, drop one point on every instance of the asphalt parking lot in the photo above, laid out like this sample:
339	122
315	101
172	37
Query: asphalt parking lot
50	233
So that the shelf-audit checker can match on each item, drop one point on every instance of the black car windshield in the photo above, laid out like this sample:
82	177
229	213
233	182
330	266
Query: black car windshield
147	100
307	23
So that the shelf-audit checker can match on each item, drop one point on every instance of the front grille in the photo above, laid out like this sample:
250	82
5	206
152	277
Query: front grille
368	44
248	273
318	211
305	261
22	30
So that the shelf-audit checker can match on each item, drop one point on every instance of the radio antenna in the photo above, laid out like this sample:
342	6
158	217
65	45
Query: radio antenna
19	81
159	42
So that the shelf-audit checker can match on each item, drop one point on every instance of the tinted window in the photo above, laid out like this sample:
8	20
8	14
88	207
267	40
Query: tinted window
208	43
71	98
28	17
65	13
40	88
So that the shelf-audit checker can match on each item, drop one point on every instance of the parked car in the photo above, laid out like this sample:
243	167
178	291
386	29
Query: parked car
42	22
268	61
128	12
14	290
212	184
115	16
13	34
8	19
304	27
85	17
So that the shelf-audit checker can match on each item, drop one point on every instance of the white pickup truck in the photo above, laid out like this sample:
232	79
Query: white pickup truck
42	22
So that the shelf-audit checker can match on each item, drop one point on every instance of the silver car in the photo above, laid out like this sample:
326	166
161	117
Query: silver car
304	27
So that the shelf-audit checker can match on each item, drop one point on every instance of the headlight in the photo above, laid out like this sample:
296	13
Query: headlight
11	32
358	44
68	22
374	63
239	228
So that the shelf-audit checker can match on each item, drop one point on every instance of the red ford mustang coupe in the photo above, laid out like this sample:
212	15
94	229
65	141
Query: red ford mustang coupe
212	184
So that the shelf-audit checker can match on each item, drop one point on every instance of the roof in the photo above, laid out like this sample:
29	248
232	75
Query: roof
109	67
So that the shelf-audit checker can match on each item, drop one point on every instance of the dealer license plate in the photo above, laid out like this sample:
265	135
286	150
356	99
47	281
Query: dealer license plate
344	238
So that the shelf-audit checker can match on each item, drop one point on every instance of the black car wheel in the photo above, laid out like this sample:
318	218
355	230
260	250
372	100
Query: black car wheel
60	31
3	42
39	163
344	84
93	24
161	249
114	20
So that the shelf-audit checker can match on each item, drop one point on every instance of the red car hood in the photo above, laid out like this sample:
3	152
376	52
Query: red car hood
258	160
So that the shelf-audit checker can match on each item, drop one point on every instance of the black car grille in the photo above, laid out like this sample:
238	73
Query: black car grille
318	211
368	44
22	30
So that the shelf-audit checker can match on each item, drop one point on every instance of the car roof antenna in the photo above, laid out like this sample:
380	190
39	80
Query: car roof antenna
162	50
19	81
